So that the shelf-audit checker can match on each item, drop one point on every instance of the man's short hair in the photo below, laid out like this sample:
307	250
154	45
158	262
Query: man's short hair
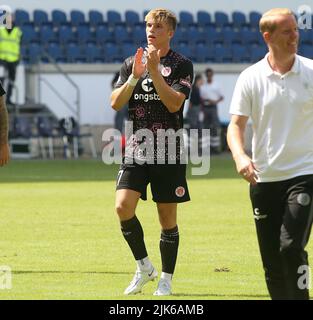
160	15
267	21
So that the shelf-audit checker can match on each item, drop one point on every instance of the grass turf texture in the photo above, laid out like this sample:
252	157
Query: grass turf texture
61	237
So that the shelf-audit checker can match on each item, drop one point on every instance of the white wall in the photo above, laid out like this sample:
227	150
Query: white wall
141	5
96	91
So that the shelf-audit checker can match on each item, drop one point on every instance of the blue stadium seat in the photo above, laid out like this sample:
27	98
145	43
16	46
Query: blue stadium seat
306	36
95	18
193	35
138	36
132	18
40	18
66	34
114	18
204	53
179	36
84	34
103	34
204	19
221	19
250	37
240	53
93	53
254	19
238	19
185	50
56	52
211	35
230	36
46	34
185	19
112	53
128	49
145	12
306	51
22	17
257	52
35	53
58	18
73	53
29	35
222	54
77	18
120	34
24	54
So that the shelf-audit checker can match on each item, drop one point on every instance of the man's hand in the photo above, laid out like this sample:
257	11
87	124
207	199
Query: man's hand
4	154
138	67
153	59
246	168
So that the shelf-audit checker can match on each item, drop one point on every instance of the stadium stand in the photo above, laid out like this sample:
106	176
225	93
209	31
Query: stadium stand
111	36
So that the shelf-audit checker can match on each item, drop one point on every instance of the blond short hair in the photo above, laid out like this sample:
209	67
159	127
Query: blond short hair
267	21
160	15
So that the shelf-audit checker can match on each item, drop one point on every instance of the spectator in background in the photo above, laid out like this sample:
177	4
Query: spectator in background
211	95
195	103
10	39
122	114
4	130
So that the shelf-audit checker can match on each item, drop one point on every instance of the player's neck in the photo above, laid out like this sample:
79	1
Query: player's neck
281	63
164	51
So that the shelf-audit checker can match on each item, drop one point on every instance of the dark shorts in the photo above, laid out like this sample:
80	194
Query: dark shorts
168	181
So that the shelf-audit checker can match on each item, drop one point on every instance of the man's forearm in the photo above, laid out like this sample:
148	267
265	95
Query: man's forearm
121	96
170	98
4	122
235	139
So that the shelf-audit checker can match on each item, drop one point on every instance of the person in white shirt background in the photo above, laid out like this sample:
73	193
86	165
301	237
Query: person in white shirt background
210	94
277	94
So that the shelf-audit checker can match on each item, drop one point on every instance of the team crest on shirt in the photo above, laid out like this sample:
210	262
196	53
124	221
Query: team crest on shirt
155	127
140	112
186	82
165	71
180	192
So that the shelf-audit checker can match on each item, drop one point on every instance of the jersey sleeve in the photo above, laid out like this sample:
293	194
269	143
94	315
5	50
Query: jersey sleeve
184	78
241	103
125	72
2	92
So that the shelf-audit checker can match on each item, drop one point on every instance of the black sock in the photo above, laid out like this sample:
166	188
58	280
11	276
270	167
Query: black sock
169	247
133	234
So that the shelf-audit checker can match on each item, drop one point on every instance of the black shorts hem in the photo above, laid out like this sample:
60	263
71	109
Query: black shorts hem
142	196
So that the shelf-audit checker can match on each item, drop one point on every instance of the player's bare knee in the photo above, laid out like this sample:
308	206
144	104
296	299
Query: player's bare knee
124	210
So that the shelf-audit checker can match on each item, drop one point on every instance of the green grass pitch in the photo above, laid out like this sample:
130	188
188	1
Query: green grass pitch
61	238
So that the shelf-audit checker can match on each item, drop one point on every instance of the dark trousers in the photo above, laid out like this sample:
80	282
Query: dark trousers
212	122
10	68
283	213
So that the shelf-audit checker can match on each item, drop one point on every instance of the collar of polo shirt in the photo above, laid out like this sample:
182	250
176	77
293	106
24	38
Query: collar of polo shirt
269	71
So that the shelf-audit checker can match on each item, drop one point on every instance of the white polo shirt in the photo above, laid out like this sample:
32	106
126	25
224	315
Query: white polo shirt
210	91
281	109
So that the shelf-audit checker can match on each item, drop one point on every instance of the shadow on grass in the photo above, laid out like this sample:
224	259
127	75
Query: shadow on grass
221	167
204	295
67	272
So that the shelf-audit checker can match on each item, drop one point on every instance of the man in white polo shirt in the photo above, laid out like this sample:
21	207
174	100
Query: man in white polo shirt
211	96
277	93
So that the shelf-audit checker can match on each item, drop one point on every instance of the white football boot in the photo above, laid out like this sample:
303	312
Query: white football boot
139	280
164	288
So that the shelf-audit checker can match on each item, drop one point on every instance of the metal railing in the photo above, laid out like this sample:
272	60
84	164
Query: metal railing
77	111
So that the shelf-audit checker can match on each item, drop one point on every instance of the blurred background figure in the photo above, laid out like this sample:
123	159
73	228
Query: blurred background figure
10	40
121	115
194	108
211	95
